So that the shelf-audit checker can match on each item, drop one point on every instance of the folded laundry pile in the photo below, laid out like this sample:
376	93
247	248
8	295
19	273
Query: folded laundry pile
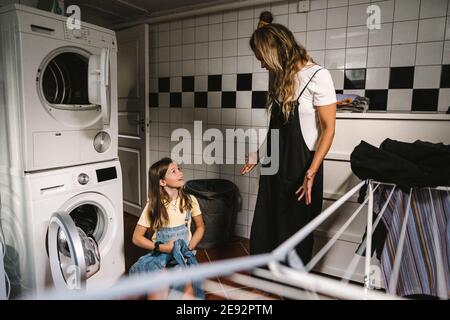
352	103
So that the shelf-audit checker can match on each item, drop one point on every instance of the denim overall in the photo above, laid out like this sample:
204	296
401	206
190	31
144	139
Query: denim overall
179	257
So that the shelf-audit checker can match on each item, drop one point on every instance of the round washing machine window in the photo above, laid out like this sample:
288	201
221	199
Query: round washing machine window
90	219
62	86
95	214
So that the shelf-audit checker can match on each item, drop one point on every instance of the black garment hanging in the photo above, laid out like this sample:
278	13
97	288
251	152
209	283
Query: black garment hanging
418	164
278	213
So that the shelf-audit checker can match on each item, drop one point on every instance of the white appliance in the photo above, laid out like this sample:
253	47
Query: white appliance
45	218
3	293
58	90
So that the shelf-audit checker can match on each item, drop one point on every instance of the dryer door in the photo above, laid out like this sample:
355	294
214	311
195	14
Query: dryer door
73	255
98	82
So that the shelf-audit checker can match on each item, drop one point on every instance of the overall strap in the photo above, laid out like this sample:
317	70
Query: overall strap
307	84
188	216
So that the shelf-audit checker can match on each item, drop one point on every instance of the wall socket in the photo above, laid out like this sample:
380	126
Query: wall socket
303	6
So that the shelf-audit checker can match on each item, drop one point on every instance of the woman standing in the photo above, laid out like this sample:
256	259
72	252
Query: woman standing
303	109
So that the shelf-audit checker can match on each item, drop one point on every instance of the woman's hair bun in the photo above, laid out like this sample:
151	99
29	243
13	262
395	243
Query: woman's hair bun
266	16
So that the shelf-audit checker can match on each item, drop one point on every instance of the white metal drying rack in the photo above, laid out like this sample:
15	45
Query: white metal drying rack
297	275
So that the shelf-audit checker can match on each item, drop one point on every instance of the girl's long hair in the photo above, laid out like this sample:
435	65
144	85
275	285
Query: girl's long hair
276	45
158	197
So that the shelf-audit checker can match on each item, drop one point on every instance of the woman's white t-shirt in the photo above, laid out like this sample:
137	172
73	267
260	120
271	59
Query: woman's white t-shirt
320	92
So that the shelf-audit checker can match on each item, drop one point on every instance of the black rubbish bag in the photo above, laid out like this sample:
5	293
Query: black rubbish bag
219	201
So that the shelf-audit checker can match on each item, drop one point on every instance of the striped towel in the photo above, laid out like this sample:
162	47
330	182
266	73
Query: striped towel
418	274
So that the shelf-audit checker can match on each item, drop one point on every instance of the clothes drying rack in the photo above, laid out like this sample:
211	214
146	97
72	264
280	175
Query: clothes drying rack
290	279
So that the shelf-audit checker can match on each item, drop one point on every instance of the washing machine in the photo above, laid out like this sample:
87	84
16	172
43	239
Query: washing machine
59	89
63	228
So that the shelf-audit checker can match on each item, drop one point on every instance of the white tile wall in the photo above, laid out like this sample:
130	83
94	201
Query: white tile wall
377	78
201	66
260	81
338	78
444	98
406	10
382	36
446	55
429	53
245	64
335	59
357	36
336	38
427	76
403	55
229	48
230	30
215	66
297	22
399	99
229	65
433	8
413	33
357	15
337	17
356	58
245	28
379	56
316	20
431	29
387	9
315	40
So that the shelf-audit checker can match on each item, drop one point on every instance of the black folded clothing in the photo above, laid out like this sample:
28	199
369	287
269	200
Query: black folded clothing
418	164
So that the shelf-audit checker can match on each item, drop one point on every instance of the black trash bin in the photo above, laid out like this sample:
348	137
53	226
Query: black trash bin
218	200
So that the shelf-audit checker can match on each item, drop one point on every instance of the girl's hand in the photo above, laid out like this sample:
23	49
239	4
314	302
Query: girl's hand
251	160
167	247
306	187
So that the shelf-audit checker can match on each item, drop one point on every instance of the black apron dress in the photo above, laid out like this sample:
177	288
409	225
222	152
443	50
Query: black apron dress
278	213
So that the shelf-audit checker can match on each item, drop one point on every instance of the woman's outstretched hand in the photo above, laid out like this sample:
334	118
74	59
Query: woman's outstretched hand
306	187
251	160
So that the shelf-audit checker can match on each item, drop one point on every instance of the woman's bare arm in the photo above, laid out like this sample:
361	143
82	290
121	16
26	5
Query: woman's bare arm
327	118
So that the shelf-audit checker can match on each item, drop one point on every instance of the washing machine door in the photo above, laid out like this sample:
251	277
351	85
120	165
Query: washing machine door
73	256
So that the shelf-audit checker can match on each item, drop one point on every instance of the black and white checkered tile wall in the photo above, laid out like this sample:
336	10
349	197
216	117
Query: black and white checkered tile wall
214	91
397	85
206	62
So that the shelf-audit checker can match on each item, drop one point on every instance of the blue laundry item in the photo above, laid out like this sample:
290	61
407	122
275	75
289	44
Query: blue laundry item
180	256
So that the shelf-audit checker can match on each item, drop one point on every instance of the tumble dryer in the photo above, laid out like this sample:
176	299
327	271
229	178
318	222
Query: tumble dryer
58	90
63	228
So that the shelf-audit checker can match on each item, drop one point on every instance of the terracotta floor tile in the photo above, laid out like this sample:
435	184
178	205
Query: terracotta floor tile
234	250
227	281
132	252
246	244
246	293
202	257
213	296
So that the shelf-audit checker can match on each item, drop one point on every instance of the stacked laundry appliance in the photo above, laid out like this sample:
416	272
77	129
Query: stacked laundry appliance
61	213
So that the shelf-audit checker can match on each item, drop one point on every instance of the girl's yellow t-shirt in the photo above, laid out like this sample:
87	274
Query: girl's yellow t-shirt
176	217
